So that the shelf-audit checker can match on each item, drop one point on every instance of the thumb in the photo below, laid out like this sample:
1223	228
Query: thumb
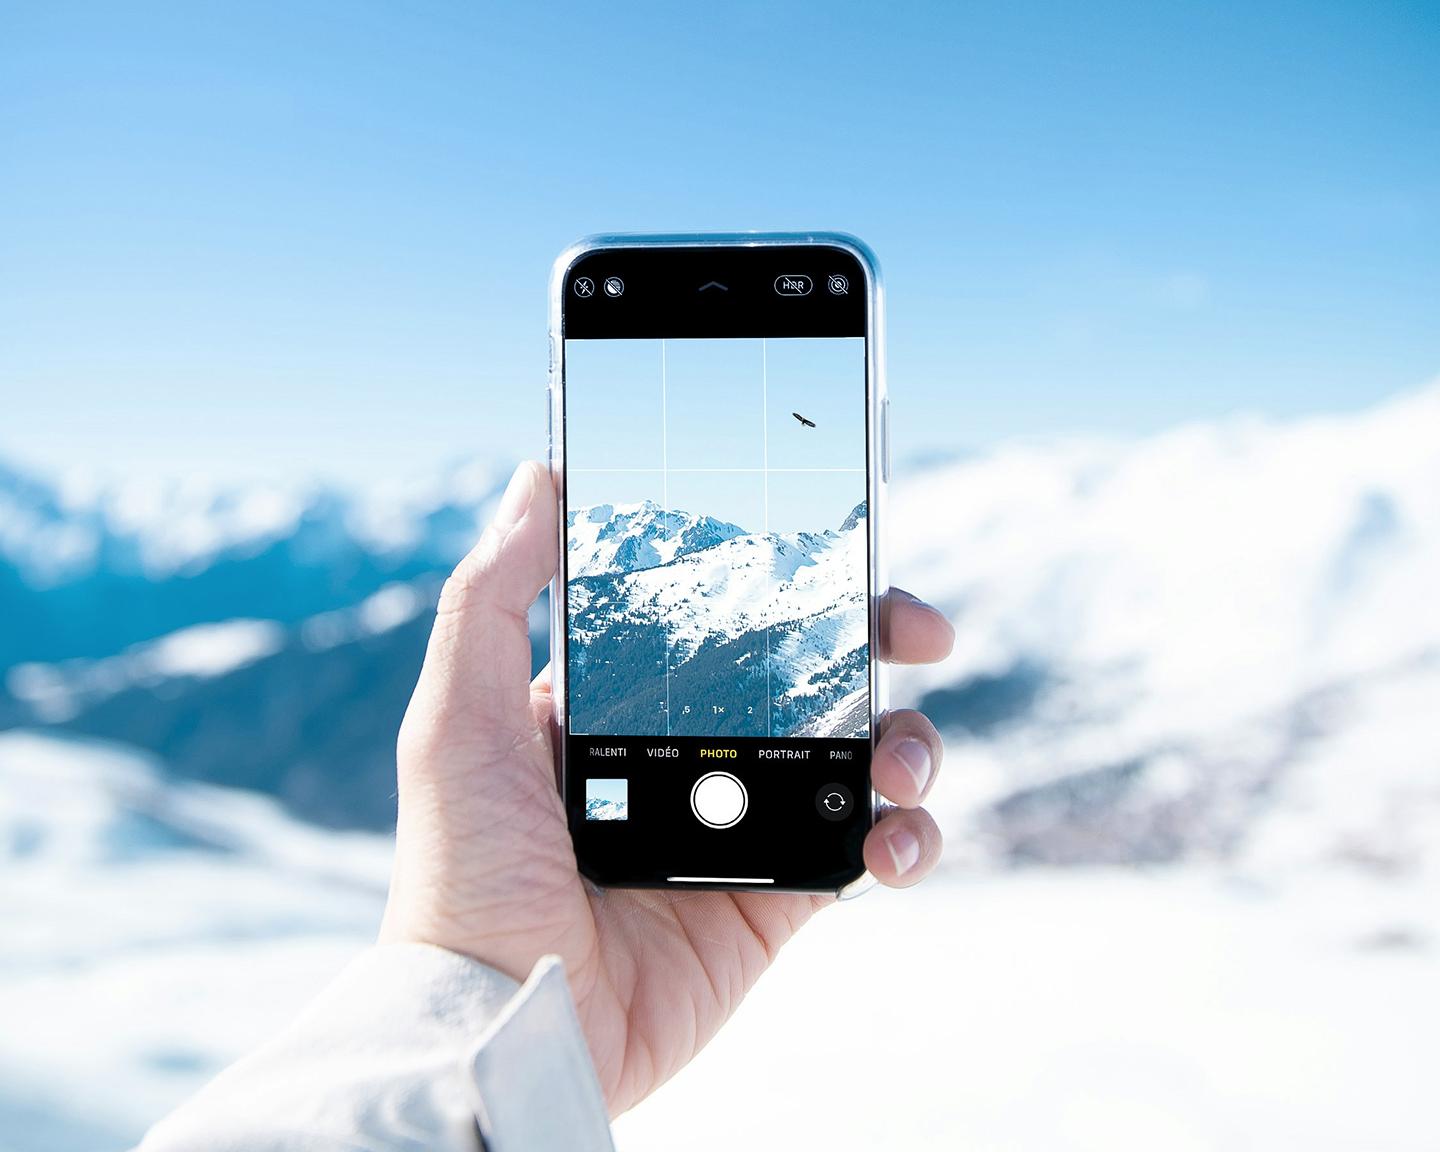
474	687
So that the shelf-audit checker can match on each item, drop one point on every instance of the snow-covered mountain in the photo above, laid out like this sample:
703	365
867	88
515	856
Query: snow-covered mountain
598	809
1220	640
770	627
86	571
303	712
627	537
1161	642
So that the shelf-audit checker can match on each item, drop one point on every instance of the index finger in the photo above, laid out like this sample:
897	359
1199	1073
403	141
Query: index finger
912	631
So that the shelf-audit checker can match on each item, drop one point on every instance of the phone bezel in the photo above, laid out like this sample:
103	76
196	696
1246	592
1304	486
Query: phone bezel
877	472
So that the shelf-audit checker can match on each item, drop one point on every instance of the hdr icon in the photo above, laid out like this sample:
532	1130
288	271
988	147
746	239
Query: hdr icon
793	285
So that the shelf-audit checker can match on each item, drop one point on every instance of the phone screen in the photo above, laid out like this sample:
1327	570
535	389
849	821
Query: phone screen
716	571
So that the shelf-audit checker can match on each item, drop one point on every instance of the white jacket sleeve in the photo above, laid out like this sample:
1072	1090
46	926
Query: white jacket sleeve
411	1048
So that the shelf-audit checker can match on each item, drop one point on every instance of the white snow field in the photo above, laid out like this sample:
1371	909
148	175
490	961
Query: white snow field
151	933
1100	1010
155	932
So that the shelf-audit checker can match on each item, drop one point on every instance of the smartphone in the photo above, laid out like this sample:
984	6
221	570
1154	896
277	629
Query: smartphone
718	445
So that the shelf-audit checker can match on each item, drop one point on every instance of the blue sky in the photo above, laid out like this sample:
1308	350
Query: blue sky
706	426
274	239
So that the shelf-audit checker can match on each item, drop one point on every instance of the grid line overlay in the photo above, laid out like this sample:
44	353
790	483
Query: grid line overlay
665	492
663	473
765	459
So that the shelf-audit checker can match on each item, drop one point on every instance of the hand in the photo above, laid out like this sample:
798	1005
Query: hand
484	863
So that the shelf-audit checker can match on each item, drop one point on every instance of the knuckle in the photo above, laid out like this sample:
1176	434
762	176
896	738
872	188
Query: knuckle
454	592
461	586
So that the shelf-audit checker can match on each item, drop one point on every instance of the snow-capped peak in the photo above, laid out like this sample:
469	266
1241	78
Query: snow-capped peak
631	537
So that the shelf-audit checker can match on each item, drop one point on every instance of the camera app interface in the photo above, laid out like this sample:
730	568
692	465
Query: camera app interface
716	556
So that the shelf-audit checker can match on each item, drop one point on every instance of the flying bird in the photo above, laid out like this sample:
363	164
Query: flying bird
803	421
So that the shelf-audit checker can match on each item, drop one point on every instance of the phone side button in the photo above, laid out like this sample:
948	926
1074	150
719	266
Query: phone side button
550	422
885	440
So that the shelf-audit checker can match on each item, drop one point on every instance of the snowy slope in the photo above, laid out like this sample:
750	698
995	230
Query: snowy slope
59	529
1086	1010
1155	638
780	616
202	651
306	712
629	537
87	571
153	930
174	927
606	810
747	582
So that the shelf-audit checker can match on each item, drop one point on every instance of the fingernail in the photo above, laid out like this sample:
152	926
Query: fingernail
516	501
904	848
916	757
